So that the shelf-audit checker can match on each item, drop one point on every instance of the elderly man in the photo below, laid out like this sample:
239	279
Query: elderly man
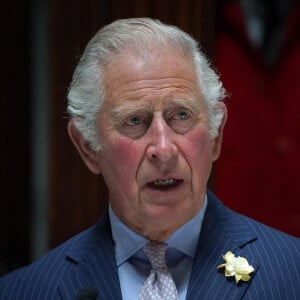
147	114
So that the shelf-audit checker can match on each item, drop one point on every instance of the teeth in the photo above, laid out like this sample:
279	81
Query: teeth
164	182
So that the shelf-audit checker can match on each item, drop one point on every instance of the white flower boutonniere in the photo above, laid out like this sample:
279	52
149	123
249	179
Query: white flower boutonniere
237	267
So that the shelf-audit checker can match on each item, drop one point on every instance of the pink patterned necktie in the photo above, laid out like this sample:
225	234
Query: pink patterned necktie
159	285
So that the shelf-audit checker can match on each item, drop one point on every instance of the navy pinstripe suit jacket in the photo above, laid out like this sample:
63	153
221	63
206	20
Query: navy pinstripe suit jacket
87	260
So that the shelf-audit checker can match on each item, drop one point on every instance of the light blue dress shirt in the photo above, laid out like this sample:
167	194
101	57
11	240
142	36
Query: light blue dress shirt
133	265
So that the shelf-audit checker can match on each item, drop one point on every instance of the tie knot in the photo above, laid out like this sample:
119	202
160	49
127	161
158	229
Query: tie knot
156	253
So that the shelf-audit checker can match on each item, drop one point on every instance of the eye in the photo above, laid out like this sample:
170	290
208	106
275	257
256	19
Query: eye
181	120
181	115
134	121
135	126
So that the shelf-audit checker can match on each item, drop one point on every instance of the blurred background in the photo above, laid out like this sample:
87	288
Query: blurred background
47	193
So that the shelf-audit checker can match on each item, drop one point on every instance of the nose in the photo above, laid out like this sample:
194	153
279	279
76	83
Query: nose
161	146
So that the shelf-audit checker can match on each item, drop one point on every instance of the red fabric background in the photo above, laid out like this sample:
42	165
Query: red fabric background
258	173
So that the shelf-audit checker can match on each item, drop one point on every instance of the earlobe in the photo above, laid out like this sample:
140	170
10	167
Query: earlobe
217	143
88	155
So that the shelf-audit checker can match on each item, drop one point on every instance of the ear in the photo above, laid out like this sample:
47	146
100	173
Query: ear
217	143
88	155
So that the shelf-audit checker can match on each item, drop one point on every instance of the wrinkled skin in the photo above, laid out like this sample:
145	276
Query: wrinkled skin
157	151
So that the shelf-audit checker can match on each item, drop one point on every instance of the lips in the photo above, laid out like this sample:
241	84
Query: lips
162	184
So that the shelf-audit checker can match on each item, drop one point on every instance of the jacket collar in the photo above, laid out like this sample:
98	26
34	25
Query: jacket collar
222	231
92	254
94	266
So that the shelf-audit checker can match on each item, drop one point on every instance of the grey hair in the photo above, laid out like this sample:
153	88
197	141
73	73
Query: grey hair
86	93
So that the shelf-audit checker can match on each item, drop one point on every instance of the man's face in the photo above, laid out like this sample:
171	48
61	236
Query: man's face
157	151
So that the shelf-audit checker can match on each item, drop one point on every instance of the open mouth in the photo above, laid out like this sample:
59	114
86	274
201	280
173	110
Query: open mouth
163	184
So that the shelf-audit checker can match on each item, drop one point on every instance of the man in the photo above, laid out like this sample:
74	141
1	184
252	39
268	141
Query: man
147	114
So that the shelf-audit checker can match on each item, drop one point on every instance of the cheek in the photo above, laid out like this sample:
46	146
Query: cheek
125	152
198	150
122	161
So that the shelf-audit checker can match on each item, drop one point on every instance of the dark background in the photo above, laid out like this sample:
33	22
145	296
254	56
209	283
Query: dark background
48	194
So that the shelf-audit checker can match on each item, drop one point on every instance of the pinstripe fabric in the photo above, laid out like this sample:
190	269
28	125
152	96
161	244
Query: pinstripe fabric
87	260
274	255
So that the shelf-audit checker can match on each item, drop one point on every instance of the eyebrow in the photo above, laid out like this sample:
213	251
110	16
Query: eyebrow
192	103
131	107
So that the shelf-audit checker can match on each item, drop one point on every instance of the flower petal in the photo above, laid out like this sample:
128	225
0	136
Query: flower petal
237	267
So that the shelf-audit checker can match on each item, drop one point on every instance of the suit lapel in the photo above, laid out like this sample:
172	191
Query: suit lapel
222	231
93	265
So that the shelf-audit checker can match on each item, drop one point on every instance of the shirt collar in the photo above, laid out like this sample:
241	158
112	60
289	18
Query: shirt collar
128	242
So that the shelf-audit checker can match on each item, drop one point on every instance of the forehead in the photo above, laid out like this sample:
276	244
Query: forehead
162	76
